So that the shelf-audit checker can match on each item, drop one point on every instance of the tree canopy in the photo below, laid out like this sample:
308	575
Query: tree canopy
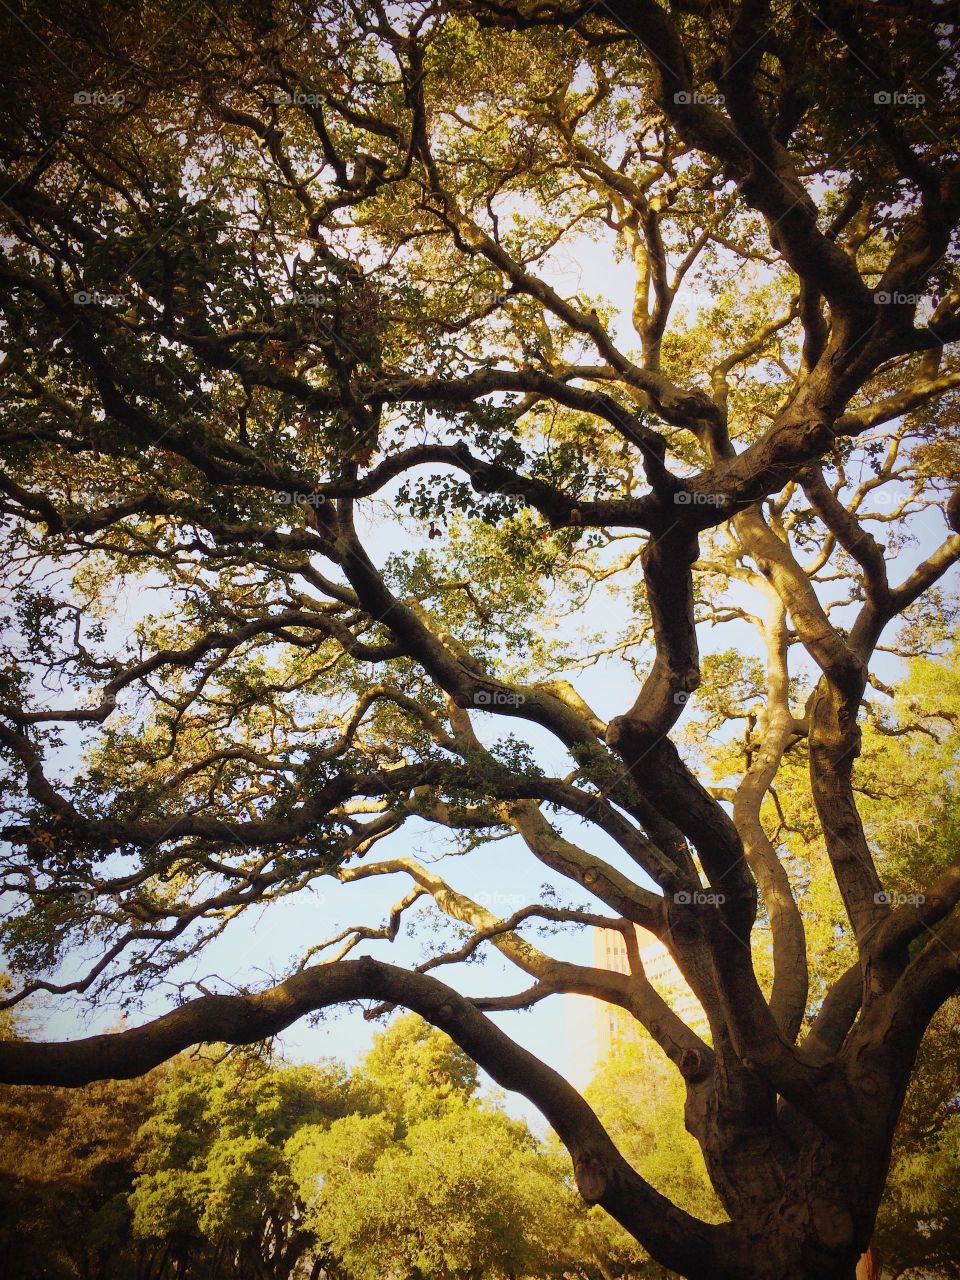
342	506
243	1166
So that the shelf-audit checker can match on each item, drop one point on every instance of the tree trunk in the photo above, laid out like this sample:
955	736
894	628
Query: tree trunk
815	1230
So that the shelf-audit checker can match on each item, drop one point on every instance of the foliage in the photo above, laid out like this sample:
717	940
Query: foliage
67	1163
253	1169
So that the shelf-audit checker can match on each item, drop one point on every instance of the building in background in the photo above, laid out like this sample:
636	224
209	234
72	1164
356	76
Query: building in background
596	1027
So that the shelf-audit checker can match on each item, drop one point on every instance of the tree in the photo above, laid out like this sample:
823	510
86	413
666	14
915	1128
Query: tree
416	1070
238	1166
435	1182
215	1191
439	1183
462	1195
271	268
918	1228
67	1165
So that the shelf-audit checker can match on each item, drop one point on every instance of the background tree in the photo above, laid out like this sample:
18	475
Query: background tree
464	1194
67	1164
918	1228
306	266
215	1188
238	1166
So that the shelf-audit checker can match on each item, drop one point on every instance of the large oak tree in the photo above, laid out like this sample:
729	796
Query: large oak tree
269	266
